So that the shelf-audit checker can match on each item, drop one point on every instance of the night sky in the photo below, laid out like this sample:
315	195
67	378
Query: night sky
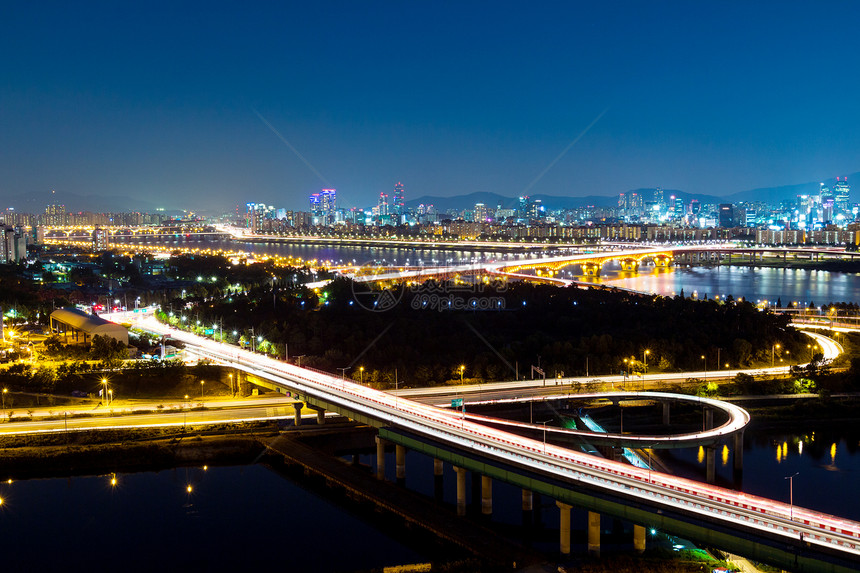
170	103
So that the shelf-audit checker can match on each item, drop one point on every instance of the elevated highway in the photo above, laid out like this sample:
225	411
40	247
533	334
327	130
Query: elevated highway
766	530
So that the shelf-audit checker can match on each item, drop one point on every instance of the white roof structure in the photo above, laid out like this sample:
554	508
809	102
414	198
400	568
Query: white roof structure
74	322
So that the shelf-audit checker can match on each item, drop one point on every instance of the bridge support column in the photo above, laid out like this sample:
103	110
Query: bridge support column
438	481
710	451
486	495
593	534
380	458
638	538
739	452
400	461
528	500
298	418
461	491
666	413
710	463
320	415
564	528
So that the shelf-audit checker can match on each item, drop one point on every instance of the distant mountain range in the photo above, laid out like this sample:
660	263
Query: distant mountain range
767	194
36	202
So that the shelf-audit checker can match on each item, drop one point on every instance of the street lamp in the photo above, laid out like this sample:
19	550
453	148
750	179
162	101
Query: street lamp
462	368
705	365
343	372
361	373
202	383
791	495
5	391
232	392
105	384
645	359
544	434
773	353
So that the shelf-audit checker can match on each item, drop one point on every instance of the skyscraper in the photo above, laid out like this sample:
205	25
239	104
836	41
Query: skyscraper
382	207
323	206
841	195
398	206
727	215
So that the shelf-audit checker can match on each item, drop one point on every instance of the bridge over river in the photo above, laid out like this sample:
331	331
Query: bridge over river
762	529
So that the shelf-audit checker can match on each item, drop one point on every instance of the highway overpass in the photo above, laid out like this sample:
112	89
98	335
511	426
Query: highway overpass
762	529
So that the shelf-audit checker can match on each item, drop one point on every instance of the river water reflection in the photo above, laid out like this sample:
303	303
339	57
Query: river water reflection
235	518
754	284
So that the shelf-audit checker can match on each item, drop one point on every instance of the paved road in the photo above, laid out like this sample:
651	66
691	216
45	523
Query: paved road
149	415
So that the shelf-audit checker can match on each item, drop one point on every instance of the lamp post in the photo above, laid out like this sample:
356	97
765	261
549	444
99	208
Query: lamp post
232	392
202	383
5	391
361	374
773	353
705	365
462	368
645	354
544	434
105	390
343	372
791	495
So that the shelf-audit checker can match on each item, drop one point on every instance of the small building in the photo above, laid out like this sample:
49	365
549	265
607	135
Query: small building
81	327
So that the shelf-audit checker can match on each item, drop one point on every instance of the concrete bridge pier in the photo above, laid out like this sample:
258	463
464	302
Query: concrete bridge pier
320	414
380	458
461	490
710	451
591	269
528	500
438	481
710	464
738	456
486	495
638	538
593	534
297	420
666	413
400	463
564	528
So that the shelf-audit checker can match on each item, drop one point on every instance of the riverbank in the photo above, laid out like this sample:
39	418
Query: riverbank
96	452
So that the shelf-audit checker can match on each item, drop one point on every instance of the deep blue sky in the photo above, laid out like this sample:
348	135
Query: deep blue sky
157	101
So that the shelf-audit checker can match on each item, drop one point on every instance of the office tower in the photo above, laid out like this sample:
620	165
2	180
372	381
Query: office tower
398	205
727	216
841	196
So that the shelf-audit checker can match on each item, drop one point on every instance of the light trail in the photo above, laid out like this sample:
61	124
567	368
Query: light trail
733	509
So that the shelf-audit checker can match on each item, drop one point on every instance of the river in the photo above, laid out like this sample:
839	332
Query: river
243	517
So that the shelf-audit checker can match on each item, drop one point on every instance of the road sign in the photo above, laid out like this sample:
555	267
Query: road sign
457	403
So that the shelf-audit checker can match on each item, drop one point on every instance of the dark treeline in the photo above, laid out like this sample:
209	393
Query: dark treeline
561	330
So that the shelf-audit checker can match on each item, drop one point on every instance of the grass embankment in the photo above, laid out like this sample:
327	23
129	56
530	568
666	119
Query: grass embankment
134	449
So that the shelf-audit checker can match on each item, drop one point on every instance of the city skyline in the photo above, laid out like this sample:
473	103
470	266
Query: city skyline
178	107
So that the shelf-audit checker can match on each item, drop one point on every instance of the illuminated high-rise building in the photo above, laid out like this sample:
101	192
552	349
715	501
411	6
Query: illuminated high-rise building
382	206
323	206
398	206
841	195
55	215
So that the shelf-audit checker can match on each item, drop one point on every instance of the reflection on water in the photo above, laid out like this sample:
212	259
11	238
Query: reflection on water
754	284
196	519
827	463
